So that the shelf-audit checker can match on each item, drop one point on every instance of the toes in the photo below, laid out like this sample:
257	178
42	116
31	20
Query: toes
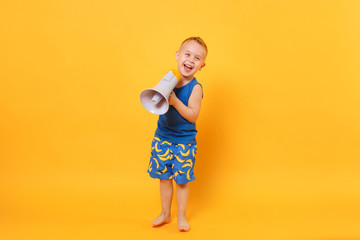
184	227
160	221
156	222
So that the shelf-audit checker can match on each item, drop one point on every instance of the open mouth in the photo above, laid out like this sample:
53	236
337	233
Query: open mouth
187	68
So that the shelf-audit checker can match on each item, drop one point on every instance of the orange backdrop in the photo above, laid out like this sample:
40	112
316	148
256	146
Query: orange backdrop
279	130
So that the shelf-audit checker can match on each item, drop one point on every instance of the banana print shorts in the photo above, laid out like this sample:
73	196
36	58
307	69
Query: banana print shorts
172	161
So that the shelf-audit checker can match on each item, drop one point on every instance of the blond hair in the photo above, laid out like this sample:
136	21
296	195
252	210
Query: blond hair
198	40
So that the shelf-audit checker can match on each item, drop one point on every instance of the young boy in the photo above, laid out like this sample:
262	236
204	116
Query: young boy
174	145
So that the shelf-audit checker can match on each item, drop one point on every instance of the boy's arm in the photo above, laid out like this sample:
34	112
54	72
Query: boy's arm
190	112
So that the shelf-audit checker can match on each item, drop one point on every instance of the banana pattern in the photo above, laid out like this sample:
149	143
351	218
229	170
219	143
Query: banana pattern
166	142
182	145
156	147
164	158
179	159
166	153
172	161
188	164
162	172
188	174
185	154
150	168
178	173
157	163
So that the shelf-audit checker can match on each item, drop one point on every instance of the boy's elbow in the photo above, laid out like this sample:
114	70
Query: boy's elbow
192	119
193	116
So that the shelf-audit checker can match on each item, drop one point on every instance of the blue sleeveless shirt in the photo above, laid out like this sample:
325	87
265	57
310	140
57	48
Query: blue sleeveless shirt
172	126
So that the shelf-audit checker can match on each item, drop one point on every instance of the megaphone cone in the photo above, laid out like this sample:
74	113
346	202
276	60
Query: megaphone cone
155	100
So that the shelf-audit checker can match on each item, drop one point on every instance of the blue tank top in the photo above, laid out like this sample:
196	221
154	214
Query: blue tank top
172	126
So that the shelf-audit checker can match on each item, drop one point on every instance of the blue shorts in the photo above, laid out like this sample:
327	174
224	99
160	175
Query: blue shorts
172	161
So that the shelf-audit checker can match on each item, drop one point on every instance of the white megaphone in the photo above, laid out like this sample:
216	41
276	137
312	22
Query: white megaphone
155	100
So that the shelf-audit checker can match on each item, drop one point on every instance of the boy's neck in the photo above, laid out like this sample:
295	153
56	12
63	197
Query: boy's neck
183	81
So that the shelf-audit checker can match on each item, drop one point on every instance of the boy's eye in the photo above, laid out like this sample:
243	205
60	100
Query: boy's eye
198	59
187	54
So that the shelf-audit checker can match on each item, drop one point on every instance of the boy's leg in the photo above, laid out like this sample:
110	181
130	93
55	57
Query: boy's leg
166	192
182	195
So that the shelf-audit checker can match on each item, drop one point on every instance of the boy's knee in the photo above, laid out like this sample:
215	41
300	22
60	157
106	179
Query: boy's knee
183	185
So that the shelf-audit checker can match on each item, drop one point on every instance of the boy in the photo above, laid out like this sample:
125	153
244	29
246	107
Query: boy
174	145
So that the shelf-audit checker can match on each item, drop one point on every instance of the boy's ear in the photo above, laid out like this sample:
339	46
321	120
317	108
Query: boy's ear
177	56
203	65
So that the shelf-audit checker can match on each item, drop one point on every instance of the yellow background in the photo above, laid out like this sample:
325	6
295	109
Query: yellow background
279	130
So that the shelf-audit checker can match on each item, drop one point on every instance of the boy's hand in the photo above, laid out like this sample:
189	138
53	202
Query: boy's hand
172	98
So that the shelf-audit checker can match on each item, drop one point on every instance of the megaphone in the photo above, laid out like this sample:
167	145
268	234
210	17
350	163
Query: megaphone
155	100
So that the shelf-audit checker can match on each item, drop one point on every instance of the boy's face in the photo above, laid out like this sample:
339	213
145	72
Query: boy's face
191	58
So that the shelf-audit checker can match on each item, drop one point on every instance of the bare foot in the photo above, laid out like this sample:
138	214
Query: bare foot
161	220
183	224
